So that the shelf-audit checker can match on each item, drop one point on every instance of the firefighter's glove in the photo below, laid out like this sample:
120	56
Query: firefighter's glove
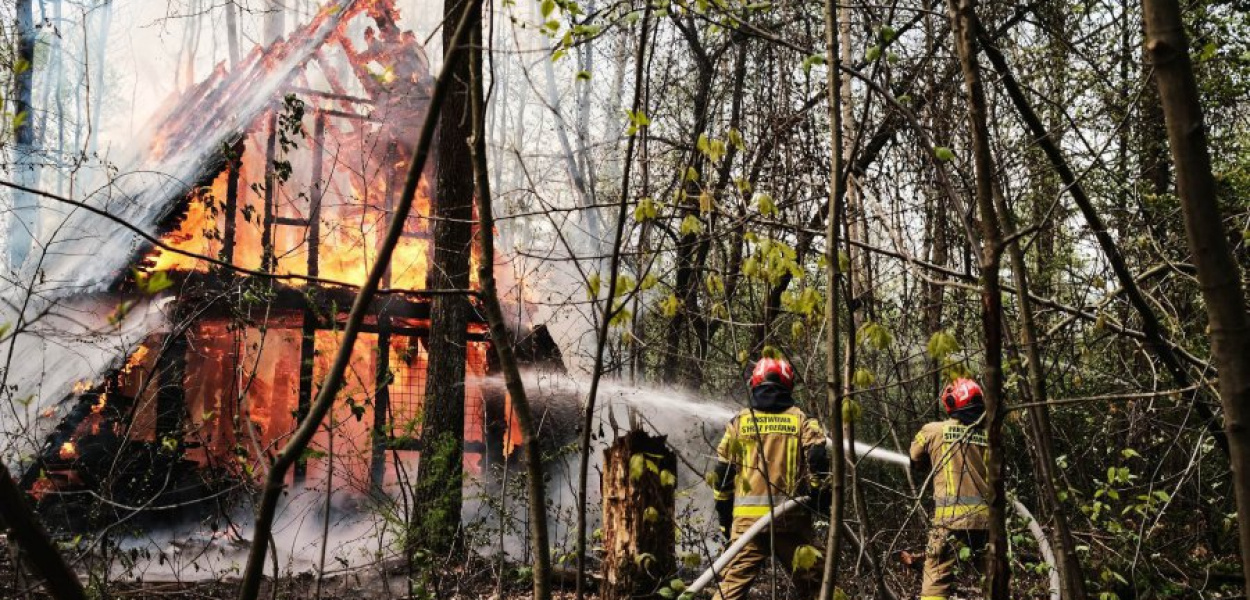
725	516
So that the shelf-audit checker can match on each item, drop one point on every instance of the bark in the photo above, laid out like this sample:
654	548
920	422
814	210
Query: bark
438	491
833	385
1218	272
275	480
638	516
963	26
610	309
502	342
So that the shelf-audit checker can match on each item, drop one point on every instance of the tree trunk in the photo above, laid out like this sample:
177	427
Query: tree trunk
833	385
639	505
275	21
275	480
502	342
1218	272
232	33
438	488
963	27
23	223
610	309
1071	576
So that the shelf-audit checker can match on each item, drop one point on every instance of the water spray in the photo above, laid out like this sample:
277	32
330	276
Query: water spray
867	451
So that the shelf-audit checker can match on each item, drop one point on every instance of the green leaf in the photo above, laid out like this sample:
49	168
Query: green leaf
592	286
668	479
547	7
651	515
942	345
1129	453
851	411
691	225
875	335
637	466
766	205
669	306
812	60
873	53
667	593
863	378
887	33
583	75
677	585
715	285
944	154
692	174
646	210
805	558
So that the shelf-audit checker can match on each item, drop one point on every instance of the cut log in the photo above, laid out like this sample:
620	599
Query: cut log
639	528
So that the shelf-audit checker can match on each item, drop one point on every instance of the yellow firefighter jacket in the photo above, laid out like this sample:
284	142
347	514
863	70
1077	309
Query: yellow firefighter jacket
956	454
768	452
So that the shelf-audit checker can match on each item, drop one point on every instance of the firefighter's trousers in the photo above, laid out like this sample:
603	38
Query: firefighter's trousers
942	560
736	579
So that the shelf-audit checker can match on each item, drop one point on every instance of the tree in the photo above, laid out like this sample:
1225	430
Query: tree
438	484
1218	273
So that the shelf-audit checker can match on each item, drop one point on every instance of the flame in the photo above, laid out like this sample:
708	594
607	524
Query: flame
99	406
366	163
68	451
134	360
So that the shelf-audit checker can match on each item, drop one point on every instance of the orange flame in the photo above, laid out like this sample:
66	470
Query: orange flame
68	451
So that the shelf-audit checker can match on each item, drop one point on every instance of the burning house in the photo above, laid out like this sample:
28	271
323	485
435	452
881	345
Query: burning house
291	208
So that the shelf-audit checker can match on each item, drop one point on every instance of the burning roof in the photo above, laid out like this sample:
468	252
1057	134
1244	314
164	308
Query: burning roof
354	72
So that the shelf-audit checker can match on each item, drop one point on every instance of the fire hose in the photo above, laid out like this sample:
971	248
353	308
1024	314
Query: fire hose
874	453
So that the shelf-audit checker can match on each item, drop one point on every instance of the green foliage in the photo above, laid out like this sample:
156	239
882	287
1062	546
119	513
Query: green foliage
812	60
691	225
766	206
805	558
646	210
875	335
941	345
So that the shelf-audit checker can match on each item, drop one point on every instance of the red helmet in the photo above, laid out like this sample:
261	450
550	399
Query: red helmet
961	394
773	370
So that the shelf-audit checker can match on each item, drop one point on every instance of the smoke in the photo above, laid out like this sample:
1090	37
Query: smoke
71	342
361	532
69	321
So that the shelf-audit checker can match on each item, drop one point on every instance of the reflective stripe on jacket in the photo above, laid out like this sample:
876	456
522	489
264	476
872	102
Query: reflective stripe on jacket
956	453
768	453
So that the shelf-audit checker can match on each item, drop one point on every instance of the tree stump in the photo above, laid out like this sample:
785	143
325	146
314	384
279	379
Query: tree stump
639	528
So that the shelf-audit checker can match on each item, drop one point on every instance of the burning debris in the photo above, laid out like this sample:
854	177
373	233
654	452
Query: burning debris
293	210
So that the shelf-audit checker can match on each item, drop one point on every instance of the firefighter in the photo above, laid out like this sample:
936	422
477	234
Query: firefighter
770	453
952	453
